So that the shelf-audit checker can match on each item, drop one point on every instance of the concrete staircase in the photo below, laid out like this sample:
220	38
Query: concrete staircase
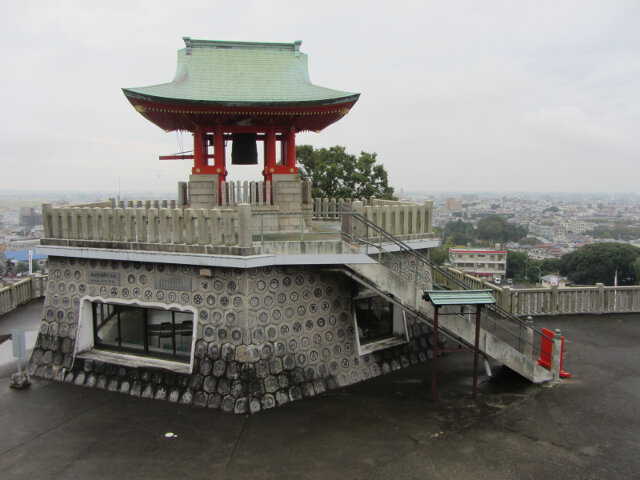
387	283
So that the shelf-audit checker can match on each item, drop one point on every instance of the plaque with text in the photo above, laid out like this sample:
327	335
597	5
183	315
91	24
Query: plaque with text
167	282
104	278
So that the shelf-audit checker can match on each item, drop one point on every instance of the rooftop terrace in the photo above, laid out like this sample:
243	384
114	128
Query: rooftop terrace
586	427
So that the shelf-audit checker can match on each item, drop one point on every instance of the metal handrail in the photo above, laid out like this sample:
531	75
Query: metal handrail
455	281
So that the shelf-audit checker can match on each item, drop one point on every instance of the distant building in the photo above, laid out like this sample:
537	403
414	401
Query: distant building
553	281
491	263
29	217
453	204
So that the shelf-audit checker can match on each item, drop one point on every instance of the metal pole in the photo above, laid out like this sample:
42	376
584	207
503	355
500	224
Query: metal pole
434	361
476	350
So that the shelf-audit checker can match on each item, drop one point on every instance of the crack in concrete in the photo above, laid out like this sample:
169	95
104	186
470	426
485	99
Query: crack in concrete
235	445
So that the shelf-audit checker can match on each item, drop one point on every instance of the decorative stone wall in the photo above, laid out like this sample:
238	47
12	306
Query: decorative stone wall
264	337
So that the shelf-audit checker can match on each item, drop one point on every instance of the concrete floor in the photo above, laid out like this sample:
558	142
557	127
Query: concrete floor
586	427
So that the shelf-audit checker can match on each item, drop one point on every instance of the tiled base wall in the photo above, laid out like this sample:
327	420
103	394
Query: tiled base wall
264	337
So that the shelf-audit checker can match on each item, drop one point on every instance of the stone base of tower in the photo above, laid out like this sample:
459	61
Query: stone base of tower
204	191
260	337
285	193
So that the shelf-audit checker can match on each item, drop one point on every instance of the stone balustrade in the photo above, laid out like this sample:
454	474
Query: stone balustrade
400	219
150	225
21	292
253	193
554	300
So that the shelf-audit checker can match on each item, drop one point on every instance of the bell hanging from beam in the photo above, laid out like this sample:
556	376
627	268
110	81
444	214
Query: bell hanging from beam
244	150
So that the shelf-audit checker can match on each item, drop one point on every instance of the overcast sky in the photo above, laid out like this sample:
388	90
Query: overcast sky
478	95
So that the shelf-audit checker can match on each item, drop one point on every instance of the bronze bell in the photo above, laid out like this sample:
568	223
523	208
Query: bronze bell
244	149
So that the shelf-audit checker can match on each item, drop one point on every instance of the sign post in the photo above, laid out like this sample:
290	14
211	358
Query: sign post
21	379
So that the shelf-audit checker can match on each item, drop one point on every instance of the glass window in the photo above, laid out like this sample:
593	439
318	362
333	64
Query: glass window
145	331
375	319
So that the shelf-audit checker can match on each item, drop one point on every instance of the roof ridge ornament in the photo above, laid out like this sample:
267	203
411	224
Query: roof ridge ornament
187	42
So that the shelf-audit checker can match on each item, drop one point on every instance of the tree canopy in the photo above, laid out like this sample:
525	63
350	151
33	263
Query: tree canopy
496	229
334	173
459	233
598	263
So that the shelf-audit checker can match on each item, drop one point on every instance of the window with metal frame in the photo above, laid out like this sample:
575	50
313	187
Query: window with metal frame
143	331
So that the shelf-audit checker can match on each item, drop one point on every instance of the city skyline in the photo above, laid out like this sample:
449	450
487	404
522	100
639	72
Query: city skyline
455	97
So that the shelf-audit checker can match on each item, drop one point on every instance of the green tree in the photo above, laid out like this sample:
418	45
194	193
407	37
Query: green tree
529	241
520	267
439	255
496	228
459	233
334	173
598	263
636	268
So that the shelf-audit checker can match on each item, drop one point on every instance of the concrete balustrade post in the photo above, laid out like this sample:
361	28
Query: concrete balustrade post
528	347
554	299
107	221
386	214
405	221
13	294
74	219
46	220
227	229
506	298
85	223
64	223
177	227
244	225
600	299
129	229
357	207
141	225
188	226
245	192
118	224
55	223
214	227
152	219
202	236
556	356
414	220
182	194
318	208
164	228
95	223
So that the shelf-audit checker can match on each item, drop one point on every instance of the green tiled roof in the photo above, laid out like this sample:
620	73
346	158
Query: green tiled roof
459	297
241	73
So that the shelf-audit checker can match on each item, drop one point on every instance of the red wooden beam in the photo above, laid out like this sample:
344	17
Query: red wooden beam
175	157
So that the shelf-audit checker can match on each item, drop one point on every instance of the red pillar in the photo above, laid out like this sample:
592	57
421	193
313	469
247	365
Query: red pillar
291	150
219	165
198	151
269	153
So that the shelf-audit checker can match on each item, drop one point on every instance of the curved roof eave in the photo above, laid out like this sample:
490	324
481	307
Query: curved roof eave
132	93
